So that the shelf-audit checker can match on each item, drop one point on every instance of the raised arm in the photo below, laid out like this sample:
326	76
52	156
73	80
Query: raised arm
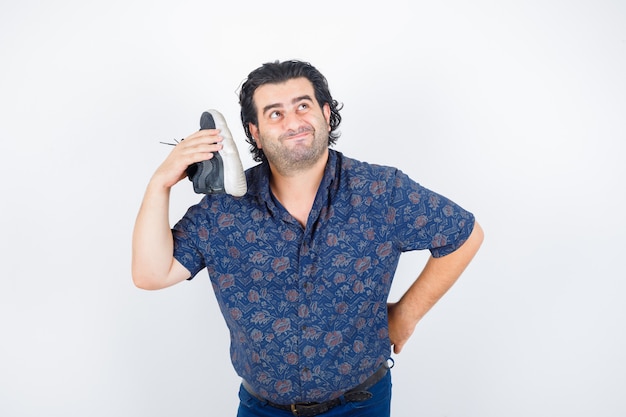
433	282
153	263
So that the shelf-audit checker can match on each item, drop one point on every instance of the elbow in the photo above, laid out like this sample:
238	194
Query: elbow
144	280
474	240
478	234
146	277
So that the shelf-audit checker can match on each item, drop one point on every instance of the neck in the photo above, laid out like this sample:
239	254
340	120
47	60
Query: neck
296	191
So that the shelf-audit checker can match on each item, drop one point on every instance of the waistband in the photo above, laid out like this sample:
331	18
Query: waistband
308	409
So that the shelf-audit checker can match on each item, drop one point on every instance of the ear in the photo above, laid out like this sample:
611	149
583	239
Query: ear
326	111
254	131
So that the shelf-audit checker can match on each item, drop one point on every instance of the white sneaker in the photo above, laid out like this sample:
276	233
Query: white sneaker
224	172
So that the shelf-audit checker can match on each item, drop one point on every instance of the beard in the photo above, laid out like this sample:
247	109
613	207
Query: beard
291	158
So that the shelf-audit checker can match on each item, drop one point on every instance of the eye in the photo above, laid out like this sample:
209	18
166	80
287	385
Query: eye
274	115
303	106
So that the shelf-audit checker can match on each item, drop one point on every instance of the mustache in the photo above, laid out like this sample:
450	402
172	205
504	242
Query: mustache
291	133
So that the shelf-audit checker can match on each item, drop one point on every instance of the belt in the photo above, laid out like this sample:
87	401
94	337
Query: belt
358	393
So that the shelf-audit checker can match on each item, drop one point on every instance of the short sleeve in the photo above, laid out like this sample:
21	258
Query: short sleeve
187	236
425	219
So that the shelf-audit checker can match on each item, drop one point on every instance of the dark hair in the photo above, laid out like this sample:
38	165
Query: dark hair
279	72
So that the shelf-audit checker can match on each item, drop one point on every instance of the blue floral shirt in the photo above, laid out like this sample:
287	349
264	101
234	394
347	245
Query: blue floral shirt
307	306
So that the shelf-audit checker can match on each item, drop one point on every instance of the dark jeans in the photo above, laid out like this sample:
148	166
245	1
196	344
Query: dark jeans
377	406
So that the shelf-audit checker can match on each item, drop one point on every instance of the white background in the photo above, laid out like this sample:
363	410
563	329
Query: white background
515	110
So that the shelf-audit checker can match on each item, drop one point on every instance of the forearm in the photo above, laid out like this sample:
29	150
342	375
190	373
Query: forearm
437	277
432	283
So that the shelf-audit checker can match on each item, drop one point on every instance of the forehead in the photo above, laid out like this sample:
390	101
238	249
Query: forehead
282	94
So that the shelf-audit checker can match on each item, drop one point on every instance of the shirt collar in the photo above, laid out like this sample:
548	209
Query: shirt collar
259	183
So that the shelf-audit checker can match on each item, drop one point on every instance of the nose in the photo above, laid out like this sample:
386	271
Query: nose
292	121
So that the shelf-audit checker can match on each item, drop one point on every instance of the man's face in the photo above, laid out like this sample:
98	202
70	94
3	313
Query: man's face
292	128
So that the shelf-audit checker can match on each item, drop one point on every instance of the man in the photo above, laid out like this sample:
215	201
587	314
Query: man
303	262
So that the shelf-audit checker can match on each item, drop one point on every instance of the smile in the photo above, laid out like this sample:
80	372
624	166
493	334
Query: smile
300	134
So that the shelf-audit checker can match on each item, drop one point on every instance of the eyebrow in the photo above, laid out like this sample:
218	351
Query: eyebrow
294	101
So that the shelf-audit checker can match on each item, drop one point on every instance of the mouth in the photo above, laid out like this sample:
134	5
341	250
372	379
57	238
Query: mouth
298	135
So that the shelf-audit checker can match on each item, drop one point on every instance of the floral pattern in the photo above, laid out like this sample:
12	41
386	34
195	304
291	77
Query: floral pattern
306	307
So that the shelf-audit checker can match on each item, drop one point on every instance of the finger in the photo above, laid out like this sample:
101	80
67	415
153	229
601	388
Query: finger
208	136
195	151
